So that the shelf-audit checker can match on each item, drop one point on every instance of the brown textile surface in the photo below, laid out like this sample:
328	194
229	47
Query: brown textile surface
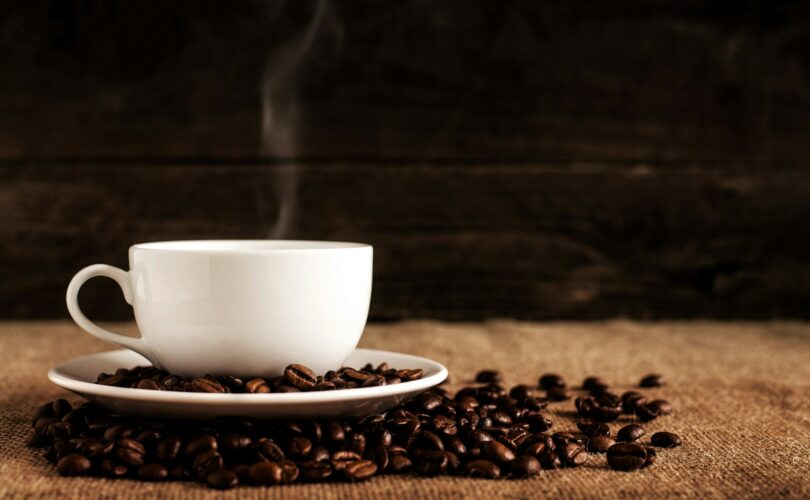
741	393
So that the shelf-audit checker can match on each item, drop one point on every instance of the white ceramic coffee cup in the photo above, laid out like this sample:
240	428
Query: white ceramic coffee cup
240	307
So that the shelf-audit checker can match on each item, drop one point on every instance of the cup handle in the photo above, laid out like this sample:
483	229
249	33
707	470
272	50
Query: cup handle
122	278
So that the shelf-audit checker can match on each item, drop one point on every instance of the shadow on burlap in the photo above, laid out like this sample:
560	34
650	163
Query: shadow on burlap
741	393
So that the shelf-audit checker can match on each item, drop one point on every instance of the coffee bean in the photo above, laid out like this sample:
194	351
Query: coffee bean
300	376
525	466
130	451
257	386
652	380
168	448
665	440
205	462
593	383
93	447
630	433
488	376
574	454
147	384
319	454
314	471
74	465
651	455
549	460
647	412
289	471
482	469
266	449
626	456
61	407
233	442
360	470
113	470
551	380
46	410
298	447
632	399
600	443
429	440
558	394
660	406
222	479
408	375
497	452
265	473
201	444
152	472
206	385
38	440
431	462
594	428
341	458
399	464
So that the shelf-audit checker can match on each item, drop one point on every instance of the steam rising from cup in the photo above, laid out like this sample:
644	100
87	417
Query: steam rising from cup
281	111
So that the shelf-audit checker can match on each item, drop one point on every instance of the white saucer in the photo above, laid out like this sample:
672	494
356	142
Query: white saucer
79	375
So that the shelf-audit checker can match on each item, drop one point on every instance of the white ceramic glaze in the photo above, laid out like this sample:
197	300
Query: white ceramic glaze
79	375
240	307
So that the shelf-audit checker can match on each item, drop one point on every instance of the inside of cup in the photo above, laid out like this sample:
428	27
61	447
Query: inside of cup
247	245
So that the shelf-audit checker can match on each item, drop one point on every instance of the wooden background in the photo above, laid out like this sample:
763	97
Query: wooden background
530	159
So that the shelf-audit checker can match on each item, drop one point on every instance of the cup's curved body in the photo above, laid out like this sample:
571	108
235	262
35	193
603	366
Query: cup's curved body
248	307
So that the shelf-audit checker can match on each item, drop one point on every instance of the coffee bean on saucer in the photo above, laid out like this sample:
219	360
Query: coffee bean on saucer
488	376
665	440
300	376
149	385
630	433
206	385
551	380
626	456
652	380
257	386
74	465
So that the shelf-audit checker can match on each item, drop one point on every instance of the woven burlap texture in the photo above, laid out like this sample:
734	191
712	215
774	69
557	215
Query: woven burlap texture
741	393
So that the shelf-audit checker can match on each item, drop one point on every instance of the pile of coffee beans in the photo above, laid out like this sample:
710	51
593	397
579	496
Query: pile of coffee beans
296	378
483	431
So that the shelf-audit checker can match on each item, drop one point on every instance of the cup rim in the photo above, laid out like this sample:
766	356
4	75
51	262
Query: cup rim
249	246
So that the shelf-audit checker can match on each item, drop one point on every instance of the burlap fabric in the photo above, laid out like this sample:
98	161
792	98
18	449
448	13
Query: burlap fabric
741	393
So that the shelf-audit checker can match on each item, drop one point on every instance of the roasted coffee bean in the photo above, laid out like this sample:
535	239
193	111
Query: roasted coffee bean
289	471
525	466
233	442
341	458
429	441
265	473
431	462
266	449
360	470
300	376
93	447
647	412
651	455
660	406
257	386
299	447
549	460
537	422
665	440
399	464
314	471
594	428
172	382
168	448
46	410
74	465
325	385
113	470
626	456
206	462
150	385
222	479
152	472
380	456
550	381
630	433
356	375
408	375
374	381
558	394
206	385
652	380
334	432
429	401
632	399
319	454
600	444
591	383
61	407
201	444
38	440
130	451
482	469
488	376
357	443
498	452
574	454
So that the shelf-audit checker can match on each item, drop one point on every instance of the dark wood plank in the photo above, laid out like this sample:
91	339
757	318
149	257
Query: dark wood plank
454	241
626	80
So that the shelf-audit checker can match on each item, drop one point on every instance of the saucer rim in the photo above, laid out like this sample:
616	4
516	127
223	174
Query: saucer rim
58	376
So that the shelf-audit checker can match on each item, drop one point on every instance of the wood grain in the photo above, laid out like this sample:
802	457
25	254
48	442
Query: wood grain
452	241
486	80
